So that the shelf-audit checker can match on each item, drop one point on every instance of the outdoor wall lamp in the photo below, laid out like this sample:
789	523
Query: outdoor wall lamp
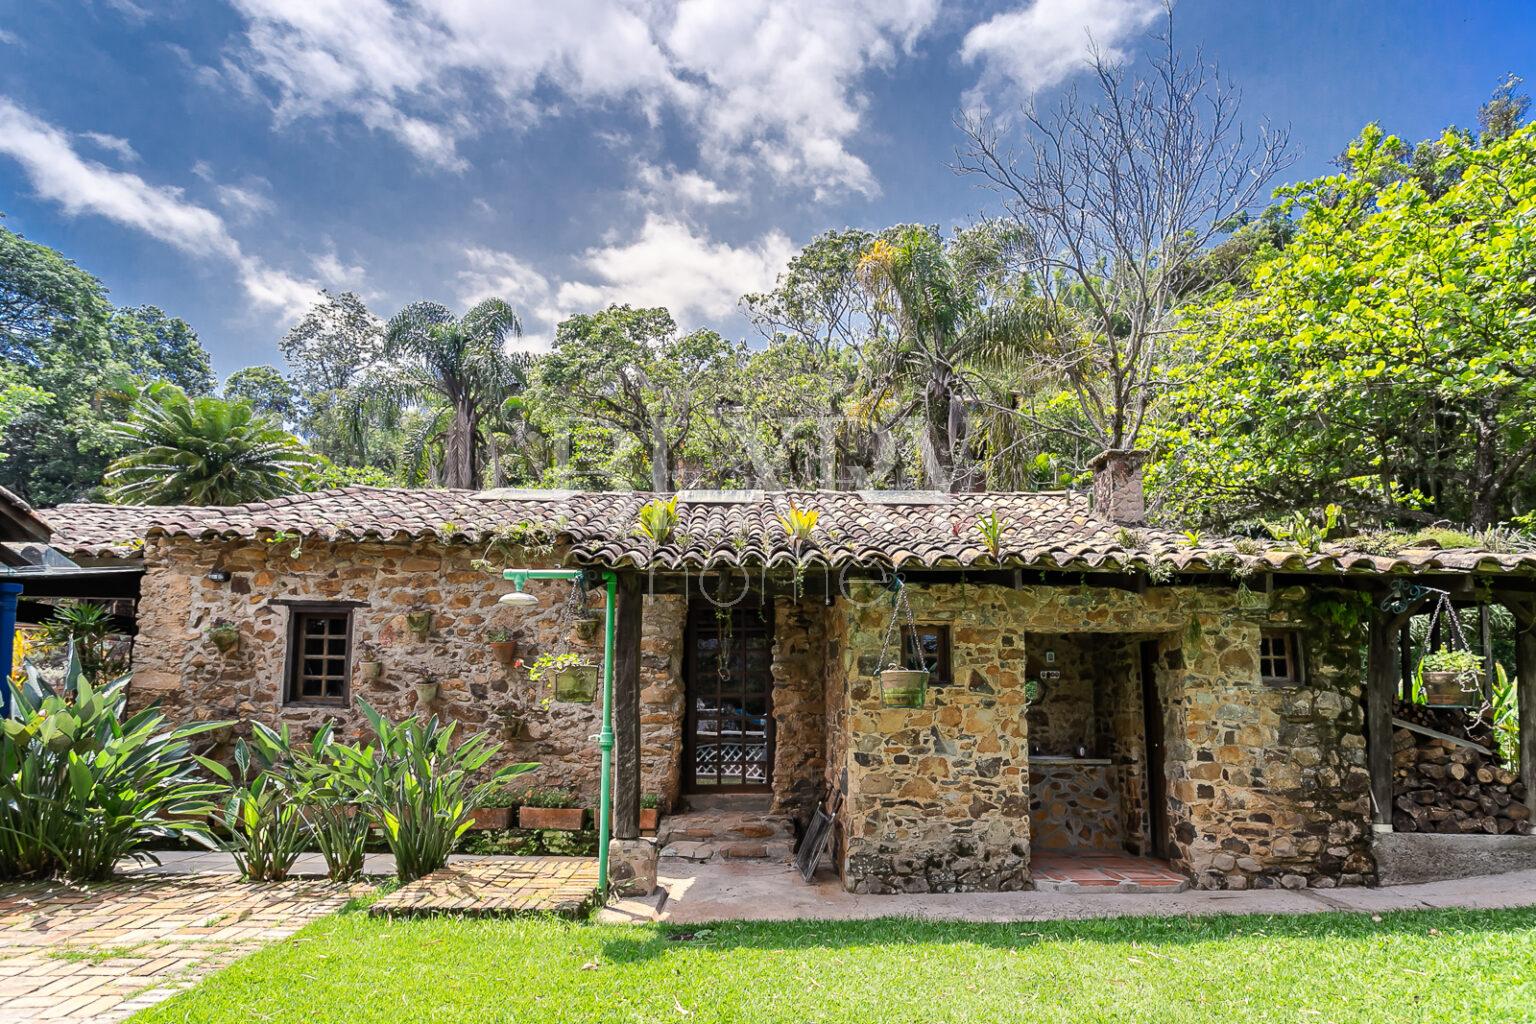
217	576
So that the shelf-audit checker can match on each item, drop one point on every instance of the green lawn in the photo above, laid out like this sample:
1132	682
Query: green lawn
350	969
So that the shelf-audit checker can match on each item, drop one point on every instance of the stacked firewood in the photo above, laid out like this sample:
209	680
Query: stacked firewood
1441	785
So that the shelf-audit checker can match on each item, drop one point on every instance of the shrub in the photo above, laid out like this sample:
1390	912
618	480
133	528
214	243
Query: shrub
83	784
548	797
417	787
265	825
337	821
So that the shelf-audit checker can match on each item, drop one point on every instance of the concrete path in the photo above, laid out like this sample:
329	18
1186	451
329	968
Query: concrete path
695	894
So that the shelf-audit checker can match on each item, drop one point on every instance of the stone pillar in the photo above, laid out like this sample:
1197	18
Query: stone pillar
1117	493
938	797
632	867
799	714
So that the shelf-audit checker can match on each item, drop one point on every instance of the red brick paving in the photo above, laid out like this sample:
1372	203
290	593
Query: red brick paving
1088	872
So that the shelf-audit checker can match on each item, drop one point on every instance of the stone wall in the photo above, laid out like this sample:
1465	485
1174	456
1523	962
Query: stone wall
176	665
1267	784
1074	806
799	712
938	797
1064	717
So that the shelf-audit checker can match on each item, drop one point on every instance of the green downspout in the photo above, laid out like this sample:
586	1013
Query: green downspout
519	579
605	737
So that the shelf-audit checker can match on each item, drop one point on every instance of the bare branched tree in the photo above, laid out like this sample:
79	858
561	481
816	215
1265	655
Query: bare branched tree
1118	194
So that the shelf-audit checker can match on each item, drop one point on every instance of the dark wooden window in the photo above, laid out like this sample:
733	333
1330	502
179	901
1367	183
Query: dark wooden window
1280	657
319	654
928	647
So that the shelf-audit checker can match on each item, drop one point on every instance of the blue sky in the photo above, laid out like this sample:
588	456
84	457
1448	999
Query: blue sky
224	161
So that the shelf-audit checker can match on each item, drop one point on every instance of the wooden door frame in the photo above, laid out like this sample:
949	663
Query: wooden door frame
689	781
1155	745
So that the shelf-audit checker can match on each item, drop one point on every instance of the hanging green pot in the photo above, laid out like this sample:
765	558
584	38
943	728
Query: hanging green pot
903	687
576	684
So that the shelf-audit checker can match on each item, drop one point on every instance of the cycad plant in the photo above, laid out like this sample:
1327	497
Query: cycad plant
83	784
419	786
201	451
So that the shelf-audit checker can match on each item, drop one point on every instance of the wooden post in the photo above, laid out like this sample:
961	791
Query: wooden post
1381	676
626	708
1524	612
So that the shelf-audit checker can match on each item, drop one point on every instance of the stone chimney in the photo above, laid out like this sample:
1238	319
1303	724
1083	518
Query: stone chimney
1117	486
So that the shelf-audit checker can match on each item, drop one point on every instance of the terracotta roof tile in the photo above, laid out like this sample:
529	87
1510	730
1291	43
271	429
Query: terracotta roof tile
1050	530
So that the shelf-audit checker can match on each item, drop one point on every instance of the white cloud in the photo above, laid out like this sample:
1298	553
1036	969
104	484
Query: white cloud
80	186
670	264
766	84
9	38
492	273
336	274
1048	41
243	202
114	144
671	187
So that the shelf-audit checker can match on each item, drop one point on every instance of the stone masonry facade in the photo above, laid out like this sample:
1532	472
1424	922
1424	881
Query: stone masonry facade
1267	784
176	664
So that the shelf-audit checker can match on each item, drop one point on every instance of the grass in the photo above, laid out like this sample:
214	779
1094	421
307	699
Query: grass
1419	966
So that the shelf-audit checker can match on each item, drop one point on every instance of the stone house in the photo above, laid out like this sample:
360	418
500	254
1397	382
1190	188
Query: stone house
1225	706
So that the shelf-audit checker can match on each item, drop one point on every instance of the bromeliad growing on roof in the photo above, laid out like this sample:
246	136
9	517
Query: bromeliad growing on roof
798	523
657	519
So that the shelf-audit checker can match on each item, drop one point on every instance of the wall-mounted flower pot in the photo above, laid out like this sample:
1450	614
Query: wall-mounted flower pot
483	818
224	638
576	684
504	650
513	725
903	687
569	819
1444	689
426	693
586	629
370	670
419	623
650	817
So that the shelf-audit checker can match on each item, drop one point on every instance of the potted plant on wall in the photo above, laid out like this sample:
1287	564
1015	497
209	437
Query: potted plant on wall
224	635
1449	678
503	645
495	811
550	808
369	667
419	622
650	812
575	681
426	690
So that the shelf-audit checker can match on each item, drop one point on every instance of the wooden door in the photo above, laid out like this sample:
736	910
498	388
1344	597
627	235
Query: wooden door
1157	777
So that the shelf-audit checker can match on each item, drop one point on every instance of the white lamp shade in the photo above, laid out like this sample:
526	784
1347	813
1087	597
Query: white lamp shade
518	599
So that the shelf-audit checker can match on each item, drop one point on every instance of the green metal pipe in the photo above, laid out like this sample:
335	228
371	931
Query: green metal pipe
519	578
605	737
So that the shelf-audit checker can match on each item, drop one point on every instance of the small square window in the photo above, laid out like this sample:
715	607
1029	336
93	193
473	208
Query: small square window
1280	657
927	647
319	655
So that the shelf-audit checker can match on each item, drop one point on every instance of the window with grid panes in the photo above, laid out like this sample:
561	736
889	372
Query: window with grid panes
1279	657
319	658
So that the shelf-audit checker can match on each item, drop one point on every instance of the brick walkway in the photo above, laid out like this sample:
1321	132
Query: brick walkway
99	954
566	886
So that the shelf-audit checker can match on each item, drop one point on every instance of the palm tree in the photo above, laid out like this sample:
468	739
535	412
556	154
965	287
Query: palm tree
432	356
202	451
957	319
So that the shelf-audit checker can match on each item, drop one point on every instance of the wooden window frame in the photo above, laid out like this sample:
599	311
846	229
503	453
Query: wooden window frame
298	613
944	673
1293	657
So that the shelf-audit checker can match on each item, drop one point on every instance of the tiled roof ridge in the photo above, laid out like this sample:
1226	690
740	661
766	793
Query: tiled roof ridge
1054	530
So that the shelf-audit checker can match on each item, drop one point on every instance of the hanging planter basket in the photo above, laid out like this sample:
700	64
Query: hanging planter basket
576	684
903	687
1450	689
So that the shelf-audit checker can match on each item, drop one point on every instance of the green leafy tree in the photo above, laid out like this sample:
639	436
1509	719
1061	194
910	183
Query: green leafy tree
266	390
158	347
201	451
632	372
460	366
1384	360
